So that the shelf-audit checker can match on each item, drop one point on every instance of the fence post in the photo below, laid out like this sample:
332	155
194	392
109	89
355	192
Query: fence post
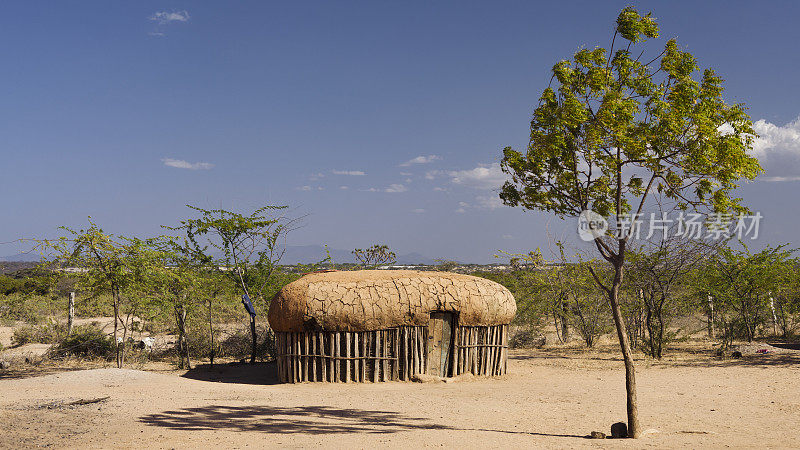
70	313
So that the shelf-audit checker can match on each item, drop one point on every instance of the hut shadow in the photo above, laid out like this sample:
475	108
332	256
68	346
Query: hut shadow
264	373
314	420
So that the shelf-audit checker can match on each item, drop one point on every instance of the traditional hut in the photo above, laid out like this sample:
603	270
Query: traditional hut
379	325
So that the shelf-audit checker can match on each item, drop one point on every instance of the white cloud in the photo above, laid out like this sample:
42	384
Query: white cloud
439	189
421	160
432	174
316	176
418	211
344	188
181	164
484	202
392	189
778	150
488	201
356	173
166	17
481	177
765	178
406	174
304	188
395	188
508	236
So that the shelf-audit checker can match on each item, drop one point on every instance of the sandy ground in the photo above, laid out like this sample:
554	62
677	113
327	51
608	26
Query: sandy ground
550	398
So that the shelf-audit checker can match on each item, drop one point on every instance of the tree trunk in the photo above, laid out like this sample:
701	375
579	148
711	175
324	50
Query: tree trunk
70	313
253	334
183	345
210	333
634	429
564	324
774	316
710	317
117	349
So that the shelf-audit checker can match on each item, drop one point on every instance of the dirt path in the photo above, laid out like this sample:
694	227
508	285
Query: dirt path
549	400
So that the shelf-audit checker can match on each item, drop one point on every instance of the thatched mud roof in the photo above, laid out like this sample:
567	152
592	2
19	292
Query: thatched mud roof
377	299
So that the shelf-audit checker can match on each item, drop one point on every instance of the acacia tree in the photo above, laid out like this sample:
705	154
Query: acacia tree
176	284
112	264
659	274
613	129
244	248
374	256
742	284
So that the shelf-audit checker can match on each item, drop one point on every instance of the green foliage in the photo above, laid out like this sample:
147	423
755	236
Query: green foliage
374	256
741	284
113	265
612	122
9	285
659	289
564	292
250	246
582	303
85	341
36	284
445	265
49	332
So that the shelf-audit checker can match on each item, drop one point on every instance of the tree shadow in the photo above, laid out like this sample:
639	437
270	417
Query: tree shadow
766	360
786	345
264	373
314	420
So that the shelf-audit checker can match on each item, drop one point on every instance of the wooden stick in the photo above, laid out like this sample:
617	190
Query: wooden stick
305	360
489	350
279	359
375	366
346	354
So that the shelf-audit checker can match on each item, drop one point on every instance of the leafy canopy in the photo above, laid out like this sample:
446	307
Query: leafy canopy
612	127
245	248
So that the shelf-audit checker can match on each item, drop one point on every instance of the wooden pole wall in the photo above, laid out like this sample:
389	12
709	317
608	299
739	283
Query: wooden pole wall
384	355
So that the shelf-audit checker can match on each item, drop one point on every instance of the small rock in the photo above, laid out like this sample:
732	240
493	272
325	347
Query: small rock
619	430
4	365
736	354
597	435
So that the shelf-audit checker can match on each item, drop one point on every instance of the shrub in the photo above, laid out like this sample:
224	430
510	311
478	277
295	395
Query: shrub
236	345
526	338
26	308
86	340
47	333
239	344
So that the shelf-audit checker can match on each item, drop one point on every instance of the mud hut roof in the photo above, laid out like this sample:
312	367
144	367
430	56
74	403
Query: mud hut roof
378	299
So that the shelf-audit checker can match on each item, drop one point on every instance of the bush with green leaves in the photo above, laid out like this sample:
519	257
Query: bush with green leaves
47	333
85	341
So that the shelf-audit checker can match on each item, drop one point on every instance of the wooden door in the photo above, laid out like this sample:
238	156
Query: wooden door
440	343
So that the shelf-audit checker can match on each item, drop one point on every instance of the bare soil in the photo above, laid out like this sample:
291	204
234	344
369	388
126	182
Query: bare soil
552	397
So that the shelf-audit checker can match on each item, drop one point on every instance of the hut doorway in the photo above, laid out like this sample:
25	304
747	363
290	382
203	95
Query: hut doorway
440	343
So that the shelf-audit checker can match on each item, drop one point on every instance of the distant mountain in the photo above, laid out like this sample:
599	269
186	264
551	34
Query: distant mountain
22	257
295	254
307	254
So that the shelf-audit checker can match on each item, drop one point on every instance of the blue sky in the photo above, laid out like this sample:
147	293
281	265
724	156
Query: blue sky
382	121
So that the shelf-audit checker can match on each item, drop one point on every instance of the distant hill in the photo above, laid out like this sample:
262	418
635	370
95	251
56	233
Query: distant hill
295	254
22	257
306	254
